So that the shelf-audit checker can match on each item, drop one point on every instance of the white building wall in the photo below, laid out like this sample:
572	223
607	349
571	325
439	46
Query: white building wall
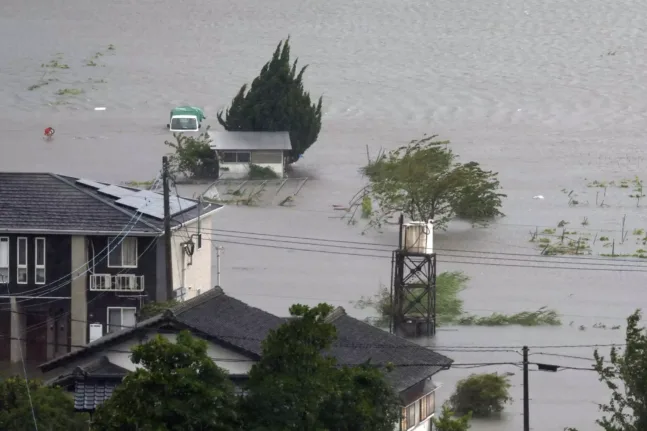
241	170
193	273
231	361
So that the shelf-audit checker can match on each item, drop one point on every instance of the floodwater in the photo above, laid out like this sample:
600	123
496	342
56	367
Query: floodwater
550	94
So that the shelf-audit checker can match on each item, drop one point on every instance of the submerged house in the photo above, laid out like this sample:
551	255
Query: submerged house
234	332
237	150
78	259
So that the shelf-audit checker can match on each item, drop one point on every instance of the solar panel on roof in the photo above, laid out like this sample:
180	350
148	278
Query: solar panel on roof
178	204
152	204
90	183
116	191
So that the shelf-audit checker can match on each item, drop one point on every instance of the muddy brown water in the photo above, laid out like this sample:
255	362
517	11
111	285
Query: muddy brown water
550	94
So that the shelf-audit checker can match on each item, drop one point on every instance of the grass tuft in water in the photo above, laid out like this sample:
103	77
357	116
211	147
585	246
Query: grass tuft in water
449	307
69	92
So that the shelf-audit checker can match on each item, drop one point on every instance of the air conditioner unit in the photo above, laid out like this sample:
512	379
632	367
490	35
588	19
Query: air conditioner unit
96	331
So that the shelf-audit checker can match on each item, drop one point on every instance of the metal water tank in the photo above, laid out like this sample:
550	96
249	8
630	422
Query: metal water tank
418	237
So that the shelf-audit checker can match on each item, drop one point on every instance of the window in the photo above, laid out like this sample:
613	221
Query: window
236	156
260	157
21	266
123	252
411	415
120	318
404	425
4	260
40	260
427	406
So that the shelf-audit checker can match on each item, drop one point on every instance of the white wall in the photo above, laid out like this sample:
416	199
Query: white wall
120	355
240	170
197	276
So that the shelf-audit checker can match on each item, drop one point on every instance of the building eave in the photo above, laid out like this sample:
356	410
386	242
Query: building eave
76	232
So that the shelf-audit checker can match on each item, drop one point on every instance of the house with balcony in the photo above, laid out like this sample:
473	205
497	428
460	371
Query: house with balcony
79	258
234	332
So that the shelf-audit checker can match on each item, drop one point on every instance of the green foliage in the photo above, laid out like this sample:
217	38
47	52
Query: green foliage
625	374
295	387
193	156
277	102
54	409
425	181
541	317
178	388
449	307
154	308
261	173
69	92
367	207
447	422
481	394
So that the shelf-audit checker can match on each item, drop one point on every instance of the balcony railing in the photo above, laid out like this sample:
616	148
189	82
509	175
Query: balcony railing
116	283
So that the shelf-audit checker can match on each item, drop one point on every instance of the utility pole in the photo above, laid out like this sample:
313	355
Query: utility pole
526	398
218	249
167	230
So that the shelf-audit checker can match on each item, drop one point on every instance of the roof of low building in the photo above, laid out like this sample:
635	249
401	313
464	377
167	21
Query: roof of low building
47	203
241	327
223	141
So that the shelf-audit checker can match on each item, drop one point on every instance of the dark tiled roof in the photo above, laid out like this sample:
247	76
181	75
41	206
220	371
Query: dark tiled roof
228	320
90	393
99	368
237	325
51	203
358	342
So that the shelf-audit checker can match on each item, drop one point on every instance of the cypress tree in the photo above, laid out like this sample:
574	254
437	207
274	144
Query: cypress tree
277	102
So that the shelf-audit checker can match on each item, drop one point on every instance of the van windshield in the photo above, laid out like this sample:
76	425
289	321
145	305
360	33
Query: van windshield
184	124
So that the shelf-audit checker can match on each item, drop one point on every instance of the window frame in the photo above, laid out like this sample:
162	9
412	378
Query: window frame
236	153
5	240
121	323
22	268
277	157
42	266
120	248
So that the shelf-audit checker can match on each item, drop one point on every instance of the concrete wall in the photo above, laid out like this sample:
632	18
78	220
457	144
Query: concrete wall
193	272
79	290
18	328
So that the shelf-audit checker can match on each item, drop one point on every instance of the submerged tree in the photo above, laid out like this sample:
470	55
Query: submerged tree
178	387
625	374
448	422
295	386
481	394
425	181
193	156
277	102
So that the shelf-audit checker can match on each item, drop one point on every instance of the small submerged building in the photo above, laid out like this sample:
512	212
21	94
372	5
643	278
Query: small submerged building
238	150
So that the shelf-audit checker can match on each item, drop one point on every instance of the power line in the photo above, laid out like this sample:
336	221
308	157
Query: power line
613	261
100	295
576	268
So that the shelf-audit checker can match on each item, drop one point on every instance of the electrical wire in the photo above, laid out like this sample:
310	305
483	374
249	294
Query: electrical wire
377	246
65	280
26	376
451	260
100	295
137	215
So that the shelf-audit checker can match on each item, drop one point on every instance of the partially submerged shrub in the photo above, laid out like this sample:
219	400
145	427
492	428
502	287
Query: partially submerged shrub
481	394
